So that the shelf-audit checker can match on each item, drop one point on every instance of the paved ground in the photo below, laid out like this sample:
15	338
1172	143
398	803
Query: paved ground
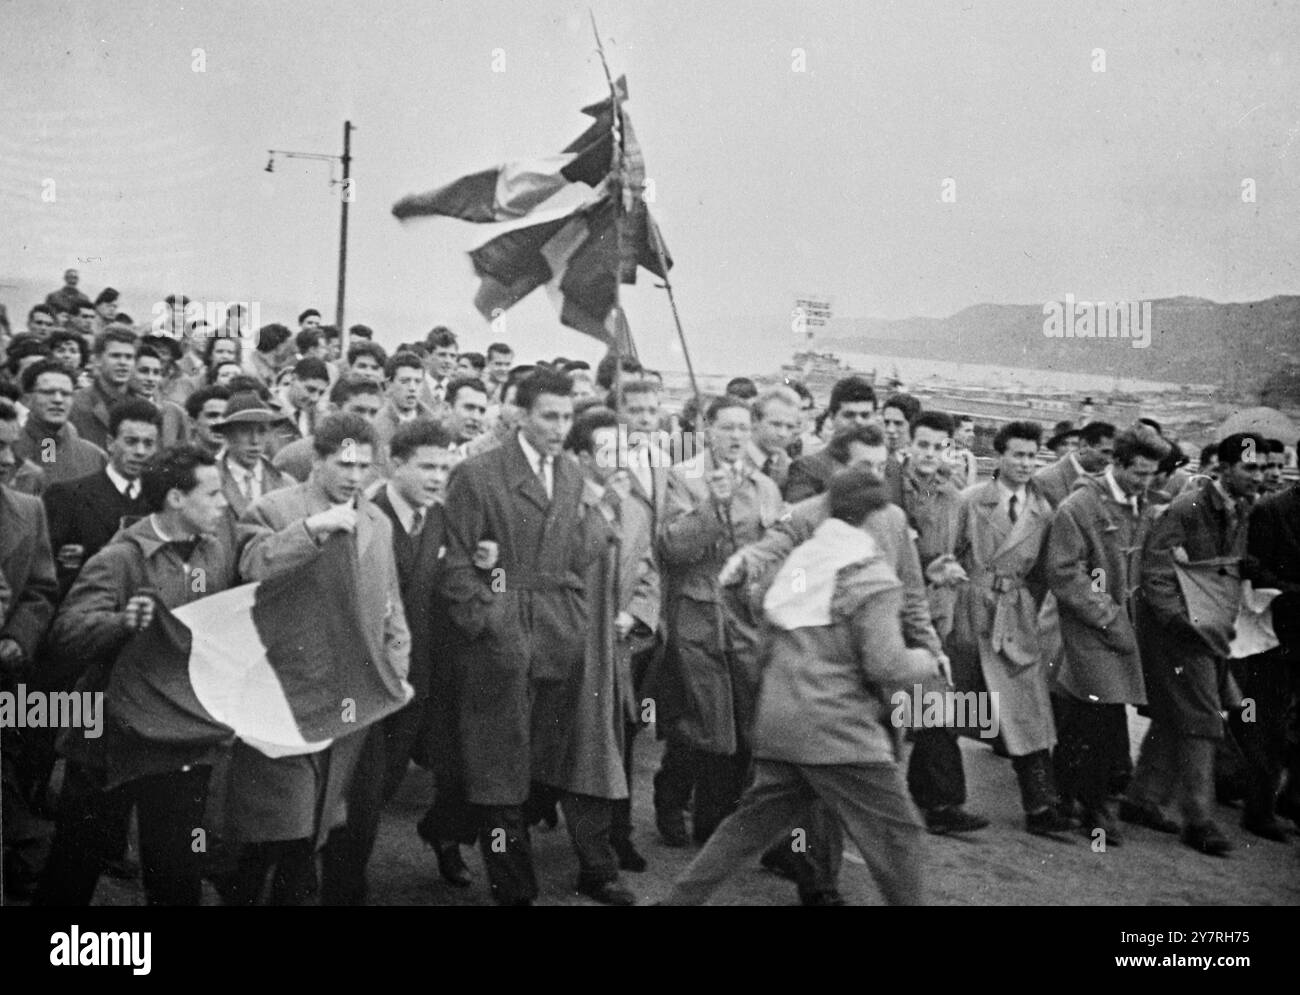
1001	865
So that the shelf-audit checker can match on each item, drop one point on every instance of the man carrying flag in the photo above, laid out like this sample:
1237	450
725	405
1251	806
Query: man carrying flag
283	808
170	558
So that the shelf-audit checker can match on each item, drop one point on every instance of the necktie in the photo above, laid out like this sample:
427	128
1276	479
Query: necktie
417	522
184	548
133	490
1012	513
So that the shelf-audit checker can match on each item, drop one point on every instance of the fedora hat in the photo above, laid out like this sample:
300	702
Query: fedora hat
246	408
1063	430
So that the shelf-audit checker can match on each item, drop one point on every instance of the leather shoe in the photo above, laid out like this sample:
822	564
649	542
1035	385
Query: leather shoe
782	862
672	829
606	892
1141	815
1268	826
451	865
1207	838
953	819
629	858
1050	820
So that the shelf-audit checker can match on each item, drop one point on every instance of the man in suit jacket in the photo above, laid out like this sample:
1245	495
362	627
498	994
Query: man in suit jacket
649	453
86	513
283	809
246	472
412	502
404	373
351	394
113	364
29	580
852	403
521	623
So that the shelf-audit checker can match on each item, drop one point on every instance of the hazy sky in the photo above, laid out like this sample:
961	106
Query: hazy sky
1122	184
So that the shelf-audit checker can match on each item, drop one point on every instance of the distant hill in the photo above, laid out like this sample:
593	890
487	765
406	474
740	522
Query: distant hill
1241	347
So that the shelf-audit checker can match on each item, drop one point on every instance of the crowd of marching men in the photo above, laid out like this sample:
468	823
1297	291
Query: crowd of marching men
559	579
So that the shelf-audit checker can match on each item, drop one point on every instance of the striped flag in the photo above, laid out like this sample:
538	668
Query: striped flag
287	665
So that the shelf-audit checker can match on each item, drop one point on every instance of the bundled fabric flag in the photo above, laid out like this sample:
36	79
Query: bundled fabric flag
580	257
287	665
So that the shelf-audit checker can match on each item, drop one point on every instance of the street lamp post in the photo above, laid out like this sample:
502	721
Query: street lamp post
345	199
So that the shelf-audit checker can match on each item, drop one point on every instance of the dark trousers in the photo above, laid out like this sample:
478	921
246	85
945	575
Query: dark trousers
1269	680
381	765
451	818
870	800
935	775
294	882
621	827
92	830
1091	740
1037	783
716	779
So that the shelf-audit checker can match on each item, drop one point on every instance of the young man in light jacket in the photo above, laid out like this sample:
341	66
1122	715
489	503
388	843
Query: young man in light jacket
834	652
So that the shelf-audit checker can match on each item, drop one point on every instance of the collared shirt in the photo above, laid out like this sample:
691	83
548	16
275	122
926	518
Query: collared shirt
437	388
1005	494
405	512
249	482
127	488
543	466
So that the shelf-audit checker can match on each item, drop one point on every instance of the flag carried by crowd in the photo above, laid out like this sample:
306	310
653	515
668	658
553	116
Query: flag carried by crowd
293	572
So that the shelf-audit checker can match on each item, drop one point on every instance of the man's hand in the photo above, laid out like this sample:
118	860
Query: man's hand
721	485
138	612
624	624
340	518
734	570
945	571
71	555
12	656
485	554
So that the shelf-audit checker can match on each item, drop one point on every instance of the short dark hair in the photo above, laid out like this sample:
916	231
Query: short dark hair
743	388
366	348
135	409
1140	440
440	336
854	493
42	309
106	296
336	430
271	337
721	404
905	403
629	387
402	359
171	300
350	385
500	348
44	366
851	390
462	383
243	383
411	435
146	351
1152	423
1028	430
1233	448
311	368
542	381
122	336
605	369
866	435
8	412
173	469
361	332
585	426
1209	454
307	314
936	421
475	359
800	388
1095	431
194	403
329	332
212	344
63	337
959	418
308	338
